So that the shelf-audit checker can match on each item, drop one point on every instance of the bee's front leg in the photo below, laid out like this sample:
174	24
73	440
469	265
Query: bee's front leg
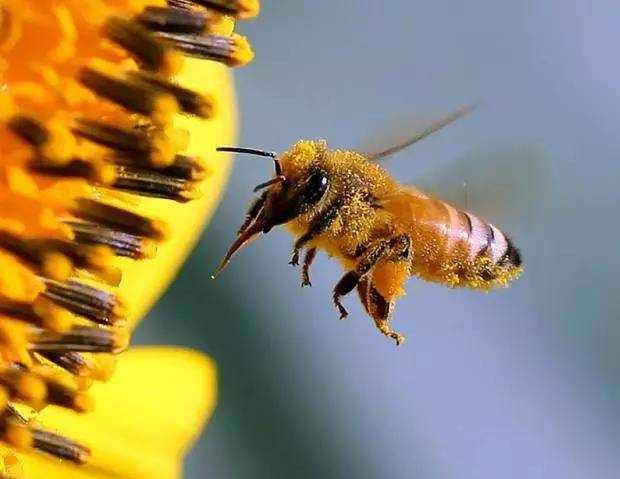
318	226
299	245
305	272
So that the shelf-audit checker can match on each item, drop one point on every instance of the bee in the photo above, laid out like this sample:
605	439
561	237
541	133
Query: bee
346	204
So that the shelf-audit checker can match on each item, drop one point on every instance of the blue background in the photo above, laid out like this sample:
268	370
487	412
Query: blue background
523	382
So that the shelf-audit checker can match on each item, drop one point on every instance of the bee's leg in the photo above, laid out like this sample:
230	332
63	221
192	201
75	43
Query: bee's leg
305	272
381	309
253	211
299	245
375	253
395	248
363	290
317	227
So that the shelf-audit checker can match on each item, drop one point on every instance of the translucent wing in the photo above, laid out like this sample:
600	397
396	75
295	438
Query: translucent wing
394	141
494	181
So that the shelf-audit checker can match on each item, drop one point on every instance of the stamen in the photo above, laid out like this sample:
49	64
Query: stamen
183	167
134	140
23	386
190	101
150	51
243	9
18	431
50	263
29	129
174	20
56	145
60	446
121	219
95	304
153	145
97	259
14	430
43	313
122	244
139	97
155	184
67	396
99	368
184	4
76	168
84	339
4	398
232	50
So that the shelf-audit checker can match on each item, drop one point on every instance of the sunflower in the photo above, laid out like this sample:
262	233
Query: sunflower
107	108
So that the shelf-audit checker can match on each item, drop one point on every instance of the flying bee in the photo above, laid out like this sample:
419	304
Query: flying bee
346	204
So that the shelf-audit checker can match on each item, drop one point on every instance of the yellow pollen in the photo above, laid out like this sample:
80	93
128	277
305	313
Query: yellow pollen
57	266
53	317
31	390
105	366
84	402
164	109
249	8
243	53
98	115
19	437
4	398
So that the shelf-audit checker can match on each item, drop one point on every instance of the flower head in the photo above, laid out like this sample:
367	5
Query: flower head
106	110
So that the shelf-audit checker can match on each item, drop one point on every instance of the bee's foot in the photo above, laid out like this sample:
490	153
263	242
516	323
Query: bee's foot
294	259
398	338
305	282
341	309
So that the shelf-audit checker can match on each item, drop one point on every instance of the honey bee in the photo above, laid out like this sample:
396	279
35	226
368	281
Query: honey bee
346	204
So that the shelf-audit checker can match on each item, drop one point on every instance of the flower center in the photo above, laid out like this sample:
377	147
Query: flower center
87	103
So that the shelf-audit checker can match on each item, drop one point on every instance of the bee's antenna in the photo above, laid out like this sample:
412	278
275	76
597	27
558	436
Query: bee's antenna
252	151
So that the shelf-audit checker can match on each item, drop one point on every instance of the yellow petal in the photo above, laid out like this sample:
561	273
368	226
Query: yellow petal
144	281
144	421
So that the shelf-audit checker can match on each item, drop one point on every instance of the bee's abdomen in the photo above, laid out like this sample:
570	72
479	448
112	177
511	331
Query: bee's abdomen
458	248
450	246
476	253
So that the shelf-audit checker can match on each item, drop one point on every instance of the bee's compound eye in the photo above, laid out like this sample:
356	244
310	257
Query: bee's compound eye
316	186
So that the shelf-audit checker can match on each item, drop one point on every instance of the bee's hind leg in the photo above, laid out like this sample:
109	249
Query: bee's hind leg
381	309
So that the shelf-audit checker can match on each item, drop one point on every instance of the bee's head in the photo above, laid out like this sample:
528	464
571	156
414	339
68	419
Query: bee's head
299	184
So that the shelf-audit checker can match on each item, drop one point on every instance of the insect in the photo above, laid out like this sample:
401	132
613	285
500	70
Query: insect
347	205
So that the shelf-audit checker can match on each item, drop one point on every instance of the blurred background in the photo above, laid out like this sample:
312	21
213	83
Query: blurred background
523	382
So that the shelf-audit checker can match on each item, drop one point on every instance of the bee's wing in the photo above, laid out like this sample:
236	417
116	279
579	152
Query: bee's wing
495	181
396	140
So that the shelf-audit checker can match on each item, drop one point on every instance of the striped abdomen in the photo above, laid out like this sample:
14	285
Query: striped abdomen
453	246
